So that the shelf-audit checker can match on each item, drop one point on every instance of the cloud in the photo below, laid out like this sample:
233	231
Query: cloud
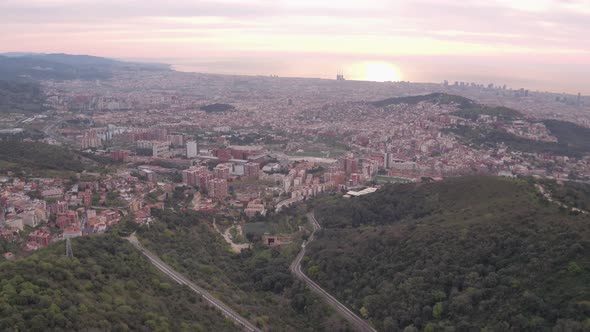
505	29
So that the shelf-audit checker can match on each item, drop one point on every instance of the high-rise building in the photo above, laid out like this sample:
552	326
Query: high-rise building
192	149
350	165
90	140
217	188
161	149
251	170
222	171
192	176
120	155
175	139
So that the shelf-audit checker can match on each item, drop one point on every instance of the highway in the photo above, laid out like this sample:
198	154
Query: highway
49	131
356	321
166	269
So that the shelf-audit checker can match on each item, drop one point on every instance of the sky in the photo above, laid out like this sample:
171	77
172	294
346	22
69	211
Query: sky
536	44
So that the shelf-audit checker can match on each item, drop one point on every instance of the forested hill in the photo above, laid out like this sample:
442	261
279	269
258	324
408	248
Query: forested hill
20	97
435	98
465	254
64	66
108	286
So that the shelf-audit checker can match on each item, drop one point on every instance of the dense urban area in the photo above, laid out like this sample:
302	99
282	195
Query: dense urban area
229	170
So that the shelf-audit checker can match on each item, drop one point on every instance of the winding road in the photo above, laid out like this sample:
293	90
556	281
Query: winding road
170	272
356	321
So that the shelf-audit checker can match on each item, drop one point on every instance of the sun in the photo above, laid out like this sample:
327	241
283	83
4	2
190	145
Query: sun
376	71
381	72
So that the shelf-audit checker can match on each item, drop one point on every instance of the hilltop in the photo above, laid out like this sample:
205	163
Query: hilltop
465	253
217	108
36	66
434	98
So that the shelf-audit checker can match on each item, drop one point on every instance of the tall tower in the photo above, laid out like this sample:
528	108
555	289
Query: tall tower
69	251
340	75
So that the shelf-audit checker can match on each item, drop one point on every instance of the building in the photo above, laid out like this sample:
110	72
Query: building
120	155
58	207
217	188
15	224
90	140
68	219
41	237
350	165
255	207
251	170
222	172
161	149
86	197
191	176
192	149
175	139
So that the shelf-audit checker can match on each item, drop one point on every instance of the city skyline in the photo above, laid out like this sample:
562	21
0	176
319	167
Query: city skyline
540	45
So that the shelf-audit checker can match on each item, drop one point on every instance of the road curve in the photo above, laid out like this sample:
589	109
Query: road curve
170	272
356	321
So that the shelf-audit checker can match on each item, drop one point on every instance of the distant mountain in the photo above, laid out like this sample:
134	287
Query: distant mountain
18	66
464	254
435	98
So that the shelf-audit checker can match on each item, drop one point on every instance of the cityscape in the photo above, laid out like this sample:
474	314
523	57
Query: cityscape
295	166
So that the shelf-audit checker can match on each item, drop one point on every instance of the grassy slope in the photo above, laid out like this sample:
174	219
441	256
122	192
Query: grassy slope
466	253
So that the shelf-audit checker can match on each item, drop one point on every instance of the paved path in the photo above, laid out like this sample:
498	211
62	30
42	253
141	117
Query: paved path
550	198
356	321
170	272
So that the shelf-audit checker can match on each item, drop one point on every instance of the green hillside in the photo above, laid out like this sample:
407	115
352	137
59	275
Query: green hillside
20	97
490	138
503	113
256	283
108	286
569	133
466	254
435	98
41	156
217	108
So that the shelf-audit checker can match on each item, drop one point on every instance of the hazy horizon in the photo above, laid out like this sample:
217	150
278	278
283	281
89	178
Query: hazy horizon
538	45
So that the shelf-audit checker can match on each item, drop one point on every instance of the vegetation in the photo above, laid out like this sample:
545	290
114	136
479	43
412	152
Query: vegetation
570	133
108	286
40	156
572	194
434	98
217	108
484	137
256	282
65	66
20	97
502	113
466	254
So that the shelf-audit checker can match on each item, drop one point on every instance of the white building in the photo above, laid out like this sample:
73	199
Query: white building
192	149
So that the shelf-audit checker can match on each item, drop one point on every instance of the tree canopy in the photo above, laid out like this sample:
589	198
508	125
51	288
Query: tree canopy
463	254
